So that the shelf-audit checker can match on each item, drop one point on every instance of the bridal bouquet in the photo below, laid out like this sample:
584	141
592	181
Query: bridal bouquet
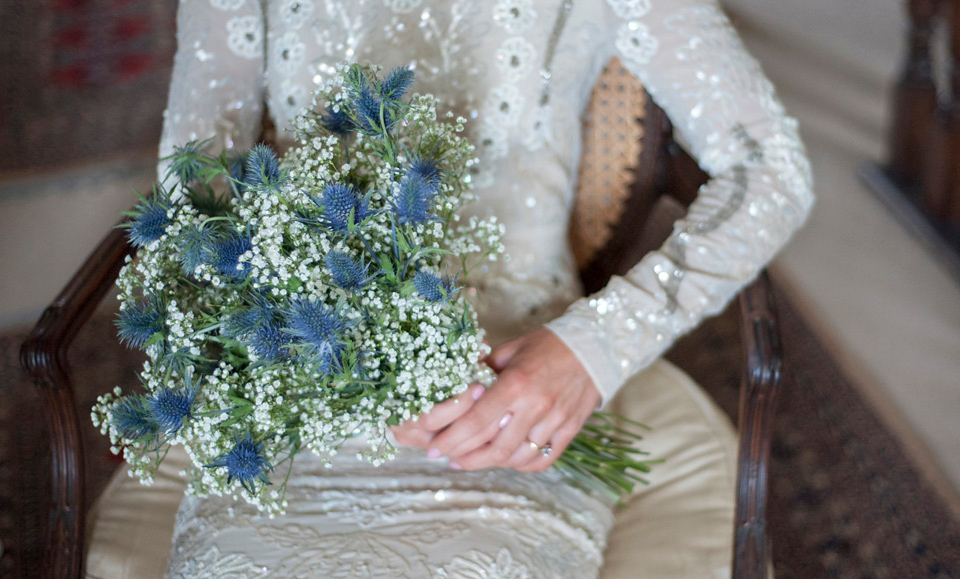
315	299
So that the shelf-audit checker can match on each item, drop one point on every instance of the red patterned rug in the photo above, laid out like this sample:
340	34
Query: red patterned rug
82	80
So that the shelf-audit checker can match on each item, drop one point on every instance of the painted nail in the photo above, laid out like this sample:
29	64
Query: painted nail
433	453
455	466
477	391
506	419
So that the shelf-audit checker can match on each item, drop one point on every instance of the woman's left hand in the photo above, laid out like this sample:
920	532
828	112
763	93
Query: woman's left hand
542	396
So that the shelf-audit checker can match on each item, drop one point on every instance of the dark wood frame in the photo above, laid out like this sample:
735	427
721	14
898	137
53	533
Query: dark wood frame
920	181
663	168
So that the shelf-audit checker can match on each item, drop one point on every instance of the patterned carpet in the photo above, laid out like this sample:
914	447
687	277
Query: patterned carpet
82	79
846	501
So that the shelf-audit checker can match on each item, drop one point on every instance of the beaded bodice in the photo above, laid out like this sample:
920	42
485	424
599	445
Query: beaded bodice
521	72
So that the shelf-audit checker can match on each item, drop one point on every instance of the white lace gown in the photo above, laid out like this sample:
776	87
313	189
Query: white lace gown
521	71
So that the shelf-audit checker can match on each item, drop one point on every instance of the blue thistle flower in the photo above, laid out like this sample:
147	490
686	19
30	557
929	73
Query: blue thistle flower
366	106
262	168
193	244
139	322
188	161
425	168
260	328
148	220
131	417
338	201
169	408
224	255
396	84
320	330
245	462
413	202
346	272
337	122
433	287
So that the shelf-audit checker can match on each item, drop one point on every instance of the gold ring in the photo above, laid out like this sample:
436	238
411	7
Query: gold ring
533	445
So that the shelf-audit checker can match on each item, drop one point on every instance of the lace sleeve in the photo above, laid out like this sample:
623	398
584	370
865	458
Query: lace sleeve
760	191
217	89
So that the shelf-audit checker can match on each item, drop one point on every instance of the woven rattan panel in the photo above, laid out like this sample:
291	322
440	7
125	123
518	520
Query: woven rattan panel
612	129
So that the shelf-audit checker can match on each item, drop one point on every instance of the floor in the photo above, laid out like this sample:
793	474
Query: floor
892	313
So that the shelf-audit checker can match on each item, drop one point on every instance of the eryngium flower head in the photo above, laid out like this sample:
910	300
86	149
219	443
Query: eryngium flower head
149	219
246	463
262	168
396	84
139	322
413	201
132	418
224	255
259	327
337	121
338	200
434	288
320	330
194	242
346	272
169	407
188	161
426	169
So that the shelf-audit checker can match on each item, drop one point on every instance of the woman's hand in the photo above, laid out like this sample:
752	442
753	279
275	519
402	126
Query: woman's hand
543	395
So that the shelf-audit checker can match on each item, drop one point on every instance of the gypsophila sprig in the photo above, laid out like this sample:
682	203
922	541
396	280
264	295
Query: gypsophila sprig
291	304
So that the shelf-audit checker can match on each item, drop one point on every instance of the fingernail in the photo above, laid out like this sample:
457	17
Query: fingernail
506	419
478	391
455	466
433	453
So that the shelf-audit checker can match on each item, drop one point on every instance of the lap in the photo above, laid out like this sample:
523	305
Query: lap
678	526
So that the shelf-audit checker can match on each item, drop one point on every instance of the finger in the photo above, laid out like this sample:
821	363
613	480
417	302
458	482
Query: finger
476	426
561	434
444	413
539	434
412	436
498	452
502	354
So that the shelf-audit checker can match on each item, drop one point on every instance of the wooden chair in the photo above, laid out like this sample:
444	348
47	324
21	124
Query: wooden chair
625	190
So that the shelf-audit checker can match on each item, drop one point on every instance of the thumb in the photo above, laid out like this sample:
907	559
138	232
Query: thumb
500	357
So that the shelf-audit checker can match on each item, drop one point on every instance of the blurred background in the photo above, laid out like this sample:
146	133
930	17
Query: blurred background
83	88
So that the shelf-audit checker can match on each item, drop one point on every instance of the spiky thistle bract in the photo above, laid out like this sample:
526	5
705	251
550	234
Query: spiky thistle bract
336	120
413	201
169	407
339	201
148	221
245	462
435	288
319	330
132	417
141	321
262	169
260	327
396	84
189	162
224	252
346	272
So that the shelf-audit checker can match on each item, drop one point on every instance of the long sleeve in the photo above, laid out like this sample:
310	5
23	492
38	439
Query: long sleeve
217	88
695	67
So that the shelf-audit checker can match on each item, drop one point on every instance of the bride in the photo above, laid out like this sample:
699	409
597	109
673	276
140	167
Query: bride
452	504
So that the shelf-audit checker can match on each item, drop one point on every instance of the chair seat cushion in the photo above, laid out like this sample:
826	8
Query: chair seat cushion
678	526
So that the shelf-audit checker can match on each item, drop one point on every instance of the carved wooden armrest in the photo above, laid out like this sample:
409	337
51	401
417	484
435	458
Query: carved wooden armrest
760	386
44	357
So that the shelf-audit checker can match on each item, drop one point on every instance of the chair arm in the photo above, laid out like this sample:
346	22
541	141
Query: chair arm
764	362
43	356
